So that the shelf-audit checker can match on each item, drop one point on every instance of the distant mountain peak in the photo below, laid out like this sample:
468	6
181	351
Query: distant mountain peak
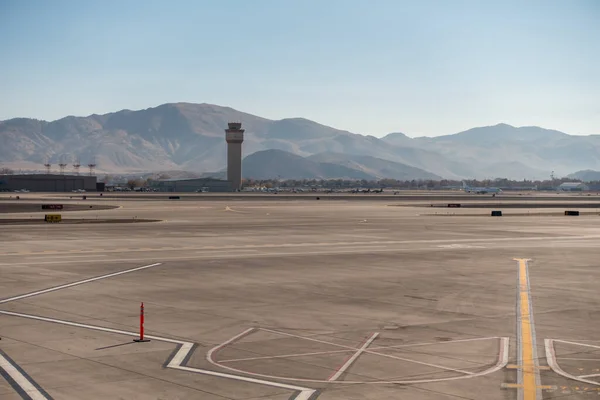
398	139
396	135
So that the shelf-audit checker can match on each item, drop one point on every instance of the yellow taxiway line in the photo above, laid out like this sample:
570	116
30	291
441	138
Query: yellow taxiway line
529	371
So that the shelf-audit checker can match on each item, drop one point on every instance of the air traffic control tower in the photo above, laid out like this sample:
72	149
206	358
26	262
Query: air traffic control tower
234	135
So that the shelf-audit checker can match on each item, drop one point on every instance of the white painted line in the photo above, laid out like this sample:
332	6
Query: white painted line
420	362
21	379
86	326
247	379
501	363
503	342
214	350
398	346
186	347
177	360
373	352
305	394
351	360
318	353
577	344
588	376
503	356
68	285
309	339
551	359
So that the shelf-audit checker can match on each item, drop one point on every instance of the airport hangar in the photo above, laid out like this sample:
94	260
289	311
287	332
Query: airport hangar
49	183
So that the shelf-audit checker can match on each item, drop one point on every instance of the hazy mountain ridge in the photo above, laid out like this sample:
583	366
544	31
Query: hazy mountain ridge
186	136
377	168
587	175
538	150
273	164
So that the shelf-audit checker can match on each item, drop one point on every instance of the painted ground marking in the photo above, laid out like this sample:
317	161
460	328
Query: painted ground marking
501	362
177	362
68	285
552	362
26	387
353	358
529	380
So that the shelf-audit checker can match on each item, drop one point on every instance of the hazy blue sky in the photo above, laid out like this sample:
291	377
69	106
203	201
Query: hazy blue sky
371	67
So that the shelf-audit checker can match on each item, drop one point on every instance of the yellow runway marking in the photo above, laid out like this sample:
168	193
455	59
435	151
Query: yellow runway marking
529	374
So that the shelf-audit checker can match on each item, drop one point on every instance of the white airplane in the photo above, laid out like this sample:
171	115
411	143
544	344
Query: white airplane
480	190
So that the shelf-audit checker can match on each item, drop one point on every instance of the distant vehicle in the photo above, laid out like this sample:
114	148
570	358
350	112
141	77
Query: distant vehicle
480	190
78	191
203	190
22	191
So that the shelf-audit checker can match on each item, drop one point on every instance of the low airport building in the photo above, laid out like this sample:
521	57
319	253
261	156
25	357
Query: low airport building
573	187
192	185
47	183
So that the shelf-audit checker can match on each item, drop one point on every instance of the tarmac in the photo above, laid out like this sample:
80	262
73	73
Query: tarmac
271	298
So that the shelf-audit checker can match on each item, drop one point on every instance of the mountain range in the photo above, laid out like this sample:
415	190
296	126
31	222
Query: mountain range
586	175
190	137
276	164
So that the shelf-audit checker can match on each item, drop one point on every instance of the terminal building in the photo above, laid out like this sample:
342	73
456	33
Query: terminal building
48	183
192	185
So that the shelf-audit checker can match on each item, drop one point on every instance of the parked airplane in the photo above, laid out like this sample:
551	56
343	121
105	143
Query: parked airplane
480	190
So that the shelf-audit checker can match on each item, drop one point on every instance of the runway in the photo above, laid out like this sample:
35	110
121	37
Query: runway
300	300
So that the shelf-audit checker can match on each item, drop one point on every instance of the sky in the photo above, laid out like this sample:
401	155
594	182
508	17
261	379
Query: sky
424	68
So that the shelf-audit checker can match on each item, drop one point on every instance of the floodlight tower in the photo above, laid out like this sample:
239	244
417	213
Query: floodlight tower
92	166
234	135
77	165
47	165
62	164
